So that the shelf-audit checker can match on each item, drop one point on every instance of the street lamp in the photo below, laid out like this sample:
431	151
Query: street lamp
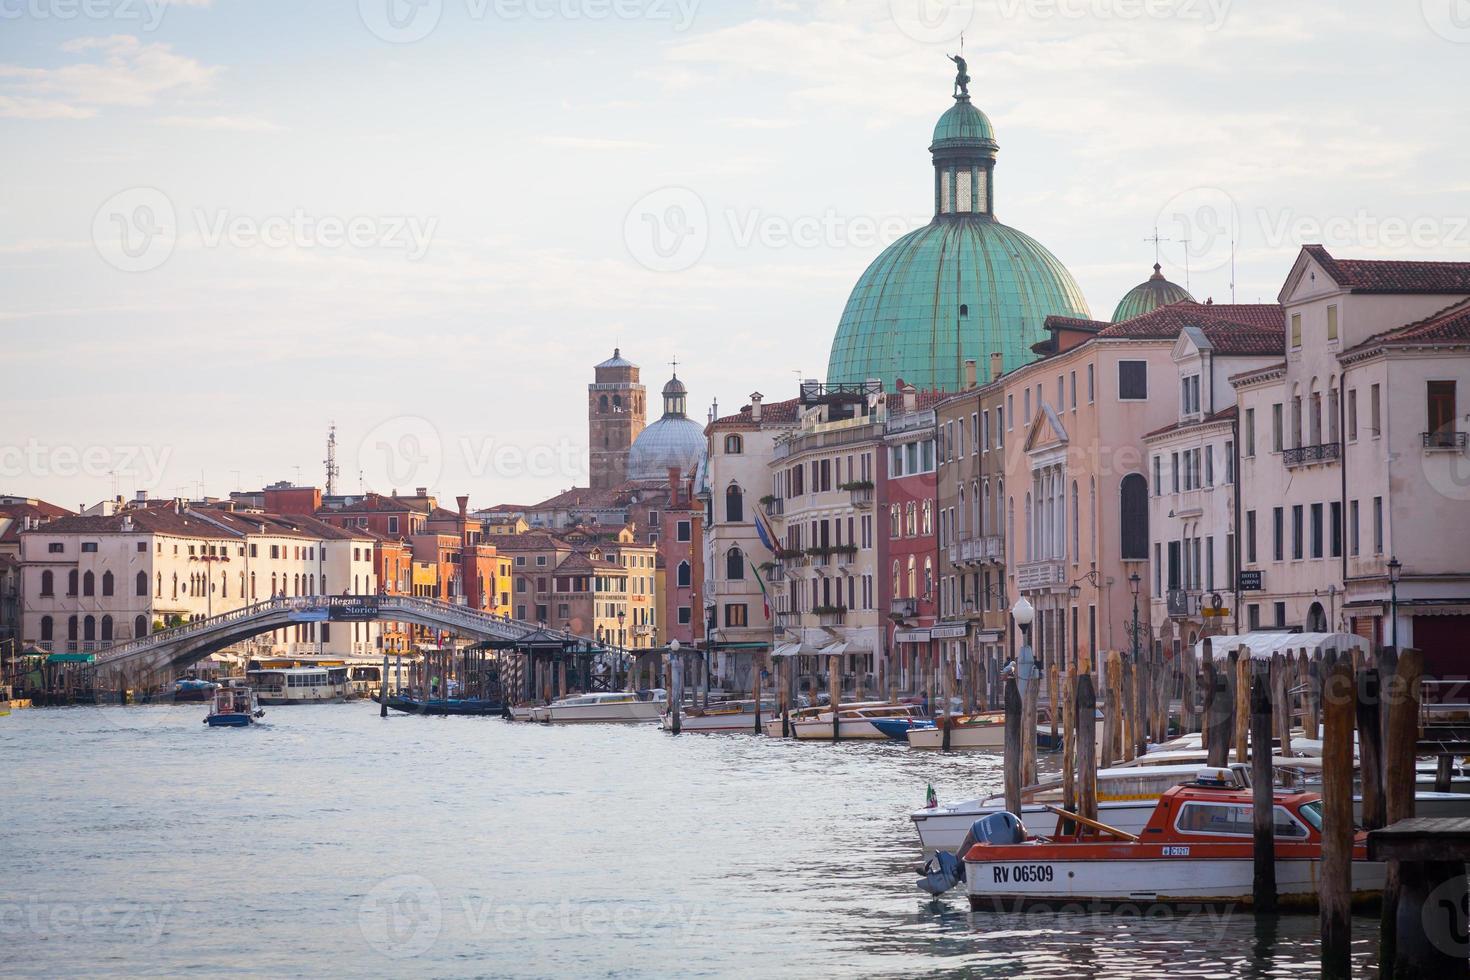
1024	614
1395	567
1133	583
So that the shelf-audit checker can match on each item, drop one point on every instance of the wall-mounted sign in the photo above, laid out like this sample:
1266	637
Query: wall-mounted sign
1250	580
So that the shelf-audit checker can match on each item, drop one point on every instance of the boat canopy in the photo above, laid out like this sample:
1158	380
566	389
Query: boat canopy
1262	646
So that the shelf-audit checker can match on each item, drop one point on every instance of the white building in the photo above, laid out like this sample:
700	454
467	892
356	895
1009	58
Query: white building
1353	453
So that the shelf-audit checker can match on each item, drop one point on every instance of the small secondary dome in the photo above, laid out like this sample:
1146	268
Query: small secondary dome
1149	295
674	440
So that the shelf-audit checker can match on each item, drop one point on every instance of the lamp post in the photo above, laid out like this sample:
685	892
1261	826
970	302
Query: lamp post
1024	614
1133	583
1395	567
676	677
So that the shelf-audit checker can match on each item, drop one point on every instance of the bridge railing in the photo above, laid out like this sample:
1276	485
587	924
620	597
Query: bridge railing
383	605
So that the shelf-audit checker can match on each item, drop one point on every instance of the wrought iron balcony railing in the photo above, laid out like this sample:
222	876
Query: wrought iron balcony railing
1325	452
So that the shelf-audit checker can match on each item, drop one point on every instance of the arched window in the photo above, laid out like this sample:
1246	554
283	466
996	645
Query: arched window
224	585
48	583
734	504
71	582
685	576
252	585
273	584
107	583
602	403
242	585
89	629
46	629
734	564
734	445
913	579
617	403
897	579
71	628
1076	526
106	629
176	585
928	518
1133	507
140	627
141	586
1030	538
928	578
89	583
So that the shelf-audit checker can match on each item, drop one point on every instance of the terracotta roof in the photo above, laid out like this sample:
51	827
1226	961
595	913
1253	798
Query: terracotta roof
1449	325
579	498
1224	415
1384	276
378	503
146	521
778	412
530	541
1166	322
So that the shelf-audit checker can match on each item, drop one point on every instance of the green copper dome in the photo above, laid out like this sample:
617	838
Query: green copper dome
1149	295
962	287
963	122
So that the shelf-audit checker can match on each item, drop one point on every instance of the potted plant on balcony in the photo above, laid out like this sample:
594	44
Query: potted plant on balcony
856	485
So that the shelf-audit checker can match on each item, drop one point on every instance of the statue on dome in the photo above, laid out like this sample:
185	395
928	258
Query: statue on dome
962	76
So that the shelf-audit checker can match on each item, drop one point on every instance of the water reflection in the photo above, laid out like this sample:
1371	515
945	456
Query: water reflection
335	840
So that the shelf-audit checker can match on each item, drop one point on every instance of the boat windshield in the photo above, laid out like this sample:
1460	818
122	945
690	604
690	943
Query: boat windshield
1312	814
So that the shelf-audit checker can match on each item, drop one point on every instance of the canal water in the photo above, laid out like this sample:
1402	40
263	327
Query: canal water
328	841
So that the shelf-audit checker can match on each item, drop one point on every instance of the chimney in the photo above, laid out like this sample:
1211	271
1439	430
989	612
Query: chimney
423	491
673	486
969	372
910	399
464	505
755	406
141	496
997	365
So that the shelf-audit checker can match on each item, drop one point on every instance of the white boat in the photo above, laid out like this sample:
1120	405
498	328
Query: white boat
1197	847
722	716
522	712
300	685
987	731
1126	796
854	721
610	706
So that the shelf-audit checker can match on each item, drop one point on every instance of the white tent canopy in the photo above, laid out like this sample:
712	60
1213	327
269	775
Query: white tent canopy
1262	646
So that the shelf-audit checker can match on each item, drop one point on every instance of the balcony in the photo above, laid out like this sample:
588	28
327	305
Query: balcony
904	608
1181	602
1041	574
974	551
860	495
775	506
774	572
831	615
1326	452
1443	441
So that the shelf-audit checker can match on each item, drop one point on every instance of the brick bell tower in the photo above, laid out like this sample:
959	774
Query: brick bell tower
615	415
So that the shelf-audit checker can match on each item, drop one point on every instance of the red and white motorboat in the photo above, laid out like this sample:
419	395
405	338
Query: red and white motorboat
1196	849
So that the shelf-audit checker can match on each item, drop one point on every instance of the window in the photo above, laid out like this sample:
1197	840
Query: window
734	445
1209	452
1253	616
89	584
1133	504
48	583
1072	389
1332	322
1352	414
89	547
1316	530
684	615
1280	609
392	525
1334	529
1089	384
1378	525
1276	428
1229	461
734	564
47	628
683	530
1440	409
734	504
684	575
1278	541
72	577
1373	428
55	548
1248	432
1189	394
1250	537
1158	476
107	583
1174	470
140	626
1132	380
1353	527
735	614
1296	330
1297	531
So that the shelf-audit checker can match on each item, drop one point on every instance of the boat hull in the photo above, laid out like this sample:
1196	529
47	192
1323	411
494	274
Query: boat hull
622	711
960	737
743	721
820	729
1197	874
229	721
446	706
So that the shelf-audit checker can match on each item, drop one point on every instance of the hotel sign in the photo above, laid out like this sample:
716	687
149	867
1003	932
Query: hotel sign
1249	580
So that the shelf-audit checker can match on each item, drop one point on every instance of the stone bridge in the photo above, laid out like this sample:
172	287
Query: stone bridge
158	657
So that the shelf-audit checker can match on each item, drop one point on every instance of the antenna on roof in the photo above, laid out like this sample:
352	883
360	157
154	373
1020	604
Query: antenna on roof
333	470
1185	243
1232	265
1156	239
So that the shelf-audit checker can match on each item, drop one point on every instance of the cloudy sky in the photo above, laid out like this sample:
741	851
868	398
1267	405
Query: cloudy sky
225	224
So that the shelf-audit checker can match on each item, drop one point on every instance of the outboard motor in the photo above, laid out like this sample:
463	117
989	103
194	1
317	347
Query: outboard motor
945	870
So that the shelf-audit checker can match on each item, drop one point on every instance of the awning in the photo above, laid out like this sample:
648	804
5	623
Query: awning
833	650
1265	645
71	658
787	650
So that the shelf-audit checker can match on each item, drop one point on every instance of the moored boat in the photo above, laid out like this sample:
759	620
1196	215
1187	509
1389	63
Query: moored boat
193	689
445	706
300	685
233	707
1197	848
853	721
609	706
721	716
982	731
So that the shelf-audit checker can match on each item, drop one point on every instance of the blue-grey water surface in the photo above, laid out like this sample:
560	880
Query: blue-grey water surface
329	842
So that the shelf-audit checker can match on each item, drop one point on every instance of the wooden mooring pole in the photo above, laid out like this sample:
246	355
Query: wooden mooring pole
1263	812
1086	748
1401	694
1013	750
383	690
1335	886
1370	749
